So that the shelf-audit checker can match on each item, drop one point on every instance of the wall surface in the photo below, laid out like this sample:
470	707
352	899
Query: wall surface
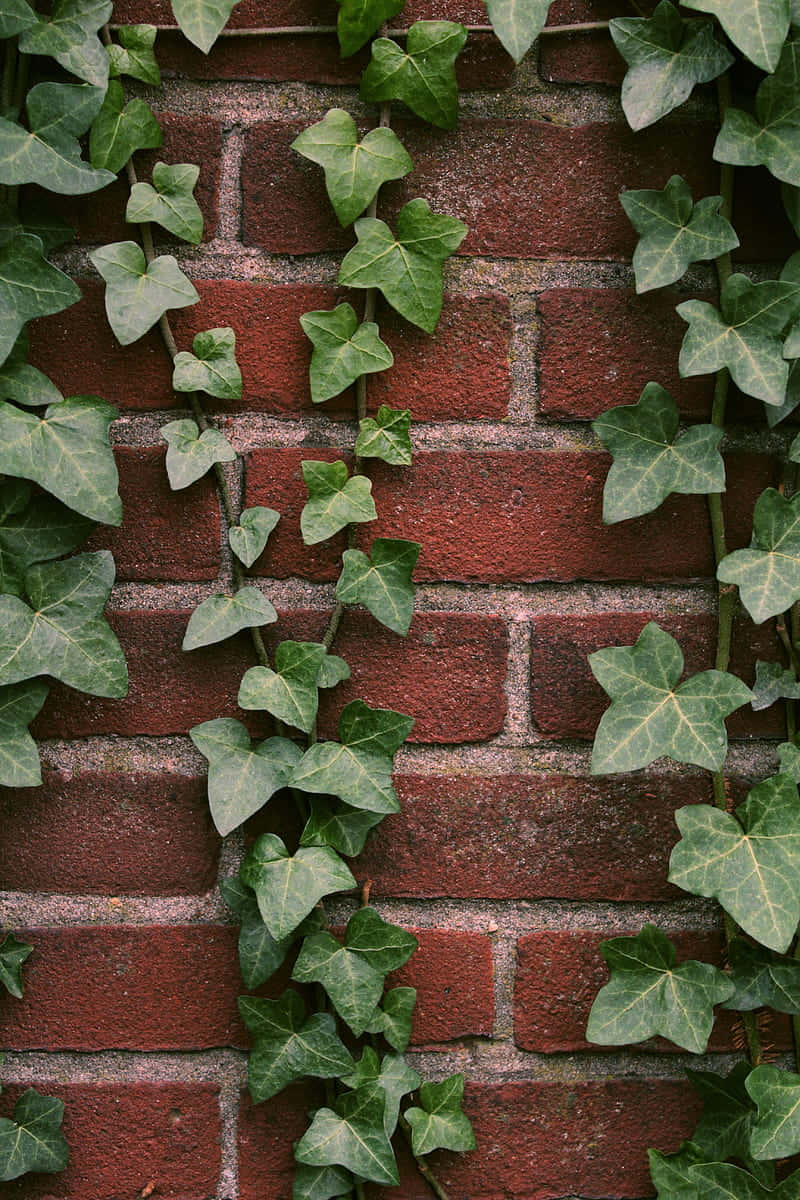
510	862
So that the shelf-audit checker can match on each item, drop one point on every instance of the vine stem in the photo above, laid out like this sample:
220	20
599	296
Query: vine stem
423	1168
310	30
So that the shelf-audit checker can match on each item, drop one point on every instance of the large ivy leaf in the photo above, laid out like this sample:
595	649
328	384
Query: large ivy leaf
343	350
728	1114
517	23
758	27
648	994
768	573
353	985
352	1135
48	151
137	295
748	861
321	1183
260	954
650	716
134	55
33	1141
29	287
69	35
343	827
289	1045
33	528
21	382
119	129
241	777
334	500
772	136
724	1181
212	368
440	1124
651	460
359	19
250	536
19	756
674	232
423	76
671	1173
392	1077
762	979
202	21
394	1017
354	170
290	692
16	16
776	1129
381	581
386	436
67	452
219	617
408	268
13	954
773	682
288	886
170	202
191	453
666	57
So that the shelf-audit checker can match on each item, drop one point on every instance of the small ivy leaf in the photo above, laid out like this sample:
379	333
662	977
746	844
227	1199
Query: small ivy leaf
722	1181
343	350
289	1045
33	528
250	536
321	1183
29	287
15	17
789	756
359	19
48	152
241	777
202	21
137	295
671	1173
517	26
192	453
650	716
33	1141
120	129
288	886
666	57
260	954
408	268
649	995
69	35
170	202
134	55
332	671
748	861
334	500
12	955
768	573
24	384
674	232
392	1076
354	171
343	827
386	436
762	979
424	76
440	1124
393	1019
19	755
772	136
381	581
212	368
219	617
352	1136
757	27
773	682
353	985
728	1114
776	1129
386	947
651	460
290	691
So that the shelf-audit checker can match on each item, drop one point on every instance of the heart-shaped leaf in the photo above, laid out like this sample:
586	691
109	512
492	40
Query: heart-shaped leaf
381	581
69	35
290	692
343	827
768	574
359	19
202	21
391	1076
289	1045
517	24
424	76
772	136
192	453
19	756
386	436
757	27
250	536
48	151
343	350
220	617
352	984
353	1136
439	1124
13	954
137	295
33	1141
134	55
334	500
29	287
288	886
120	129
241	777
170	202
212	368
394	1018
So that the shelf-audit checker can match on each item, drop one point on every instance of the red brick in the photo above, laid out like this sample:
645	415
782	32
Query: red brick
452	973
139	833
589	57
449	673
266	1134
125	1137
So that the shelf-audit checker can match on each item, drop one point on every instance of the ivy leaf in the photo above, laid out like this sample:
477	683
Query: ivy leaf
424	76
260	954
343	827
19	756
250	536
137	295
359	19
721	1181
386	436
29	287
386	947
728	1114
289	1045
321	1183
674	232
334	500
352	984
212	368
762	979
202	21
343	350
119	129
440	1124
33	528
12	955
666	57
393	1019
748	862
768	573
241	777
789	756
67	452
69	35
772	136
15	17
134	55
332	671
392	1076
672	1175
33	1140
758	27
408	268
48	151
288	886
192	453
351	1135
170	202
21	382
517	25
651	460
650	716
354	171
773	682
776	1128
219	617
290	691
381	581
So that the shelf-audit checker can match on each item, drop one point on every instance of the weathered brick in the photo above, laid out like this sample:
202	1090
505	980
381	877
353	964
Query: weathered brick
266	1134
452	972
587	57
132	832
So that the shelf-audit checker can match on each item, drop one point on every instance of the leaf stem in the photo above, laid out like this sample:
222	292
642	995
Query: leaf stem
423	1168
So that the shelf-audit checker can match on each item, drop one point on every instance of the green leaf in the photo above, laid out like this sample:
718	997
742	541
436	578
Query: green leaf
202	21
260	954
352	1136
33	528
15	17
343	827
321	1183
408	268
250	536
290	691
394	1018
48	151
424	76
332	671
170	202
288	886
219	617
728	1114
789	756
776	1129
137	295
649	995
192	453
134	55
386	947
19	756
241	777
768	573
353	985
671	1173
748	861
723	1181
381	581
651	460
758	27
773	682
517	23
440	1124
343	350
288	1045
69	35
666	57
650	716
12	955
359	19
33	1140
334	500
212	368
386	436
21	382
120	129
29	287
392	1076
674	232
762	979
354	171
772	136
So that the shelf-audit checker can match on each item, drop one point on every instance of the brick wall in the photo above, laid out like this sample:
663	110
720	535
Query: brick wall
508	860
